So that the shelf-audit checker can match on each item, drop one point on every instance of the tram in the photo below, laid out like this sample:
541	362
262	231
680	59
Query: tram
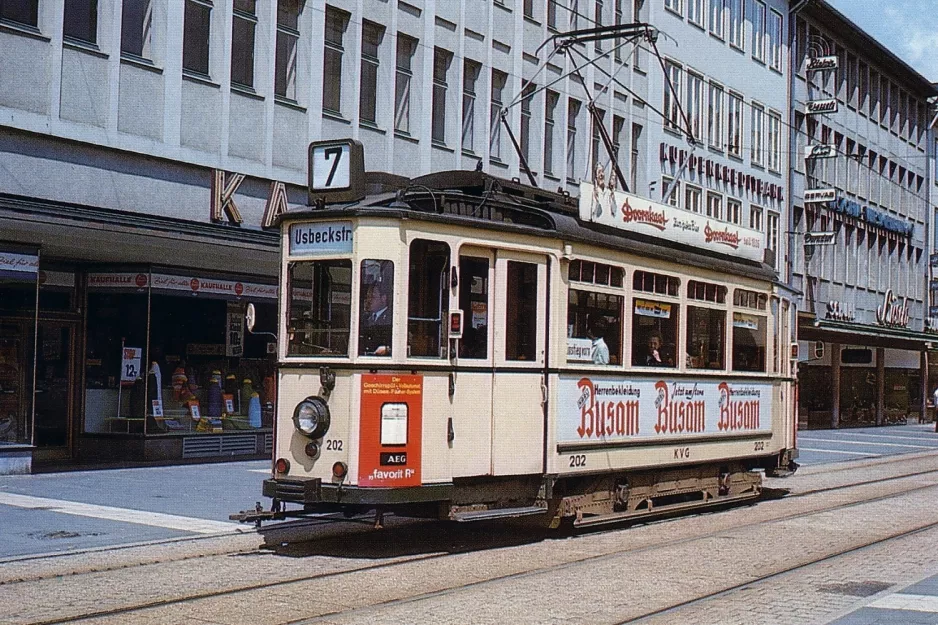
464	347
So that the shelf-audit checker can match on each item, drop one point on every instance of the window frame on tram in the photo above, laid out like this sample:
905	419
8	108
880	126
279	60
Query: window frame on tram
704	351
749	306
659	291
596	300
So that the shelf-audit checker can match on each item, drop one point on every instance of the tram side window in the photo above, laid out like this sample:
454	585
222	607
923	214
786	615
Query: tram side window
748	342
427	299
706	331
376	308
593	319
474	303
654	333
319	307
521	308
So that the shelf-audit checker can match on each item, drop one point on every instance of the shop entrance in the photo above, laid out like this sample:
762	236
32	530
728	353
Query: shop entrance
16	377
54	390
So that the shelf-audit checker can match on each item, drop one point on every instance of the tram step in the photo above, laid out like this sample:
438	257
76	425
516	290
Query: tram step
498	513
690	506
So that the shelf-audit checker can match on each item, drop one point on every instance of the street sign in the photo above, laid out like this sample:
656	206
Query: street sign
821	63
820	150
820	107
818	196
819	238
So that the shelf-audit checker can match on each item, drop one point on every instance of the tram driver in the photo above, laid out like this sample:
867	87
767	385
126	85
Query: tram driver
374	325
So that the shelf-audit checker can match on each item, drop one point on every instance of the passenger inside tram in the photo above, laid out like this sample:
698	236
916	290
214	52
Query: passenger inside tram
374	338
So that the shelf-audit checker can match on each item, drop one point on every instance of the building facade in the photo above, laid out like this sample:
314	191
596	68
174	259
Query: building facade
860	189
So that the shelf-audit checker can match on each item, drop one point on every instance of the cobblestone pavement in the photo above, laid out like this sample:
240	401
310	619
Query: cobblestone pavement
606	577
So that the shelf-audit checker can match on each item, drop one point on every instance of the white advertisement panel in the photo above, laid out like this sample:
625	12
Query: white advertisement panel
608	409
317	239
631	212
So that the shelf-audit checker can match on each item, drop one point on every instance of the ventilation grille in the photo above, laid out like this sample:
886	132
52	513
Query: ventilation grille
268	443
206	446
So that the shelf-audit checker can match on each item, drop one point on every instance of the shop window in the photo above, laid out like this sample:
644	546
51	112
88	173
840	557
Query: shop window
16	377
594	321
655	283
750	299
116	322
376	308
749	333
319	308
521	318
595	273
706	334
428	298
654	333
706	292
474	303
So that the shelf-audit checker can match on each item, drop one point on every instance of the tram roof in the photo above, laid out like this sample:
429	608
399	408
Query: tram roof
474	198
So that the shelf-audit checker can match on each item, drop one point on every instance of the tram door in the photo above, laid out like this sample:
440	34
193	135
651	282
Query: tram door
520	321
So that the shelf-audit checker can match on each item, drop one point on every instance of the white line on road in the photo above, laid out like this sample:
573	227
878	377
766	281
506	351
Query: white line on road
885	436
126	515
915	603
871	443
267	471
834	451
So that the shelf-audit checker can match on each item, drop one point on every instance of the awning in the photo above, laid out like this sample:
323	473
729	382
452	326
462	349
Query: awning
845	332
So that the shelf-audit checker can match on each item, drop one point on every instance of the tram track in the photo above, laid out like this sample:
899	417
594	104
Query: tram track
417	560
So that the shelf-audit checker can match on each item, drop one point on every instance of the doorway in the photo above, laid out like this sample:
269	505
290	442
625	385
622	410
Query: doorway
54	390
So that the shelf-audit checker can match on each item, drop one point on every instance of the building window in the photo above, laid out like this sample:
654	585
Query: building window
441	63
734	126
775	41
672	197
757	134
81	20
288	35
758	31
672	91
470	77
136	25
336	23
550	116
775	142
618	125
755	218
405	54
196	36
692	198
697	12
715	117
527	95
674	5
734	212
771	231
596	158
372	35
716	18
243	22
598	21
737	23
714	205
20	11
573	112
635	156
695	103
552	14
617	20
499	79
528	8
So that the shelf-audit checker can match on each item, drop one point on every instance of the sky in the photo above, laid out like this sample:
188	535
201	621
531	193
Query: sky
906	27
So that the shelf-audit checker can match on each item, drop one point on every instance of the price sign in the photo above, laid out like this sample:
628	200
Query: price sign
130	364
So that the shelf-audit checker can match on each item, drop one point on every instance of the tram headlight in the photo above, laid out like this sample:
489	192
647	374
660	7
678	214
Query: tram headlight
311	417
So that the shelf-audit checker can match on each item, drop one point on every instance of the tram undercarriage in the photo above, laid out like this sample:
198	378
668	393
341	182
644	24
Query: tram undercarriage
583	500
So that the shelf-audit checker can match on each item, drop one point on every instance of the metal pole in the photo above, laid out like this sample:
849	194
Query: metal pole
835	383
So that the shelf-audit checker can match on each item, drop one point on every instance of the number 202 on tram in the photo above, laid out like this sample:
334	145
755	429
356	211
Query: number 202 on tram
464	347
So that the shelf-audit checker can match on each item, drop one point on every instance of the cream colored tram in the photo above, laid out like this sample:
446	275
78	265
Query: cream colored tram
438	356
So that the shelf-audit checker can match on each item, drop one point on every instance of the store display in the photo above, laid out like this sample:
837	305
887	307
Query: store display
254	411
214	395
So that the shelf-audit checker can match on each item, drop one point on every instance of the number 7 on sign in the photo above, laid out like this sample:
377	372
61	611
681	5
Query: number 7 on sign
331	167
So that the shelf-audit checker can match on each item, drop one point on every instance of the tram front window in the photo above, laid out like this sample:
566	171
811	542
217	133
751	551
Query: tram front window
376	312
319	308
427	298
